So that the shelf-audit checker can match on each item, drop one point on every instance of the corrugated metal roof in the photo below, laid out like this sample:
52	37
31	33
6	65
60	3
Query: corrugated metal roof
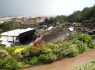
16	32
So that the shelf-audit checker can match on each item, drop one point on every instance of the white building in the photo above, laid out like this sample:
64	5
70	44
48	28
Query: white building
18	36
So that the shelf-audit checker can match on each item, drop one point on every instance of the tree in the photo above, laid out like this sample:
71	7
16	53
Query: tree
75	17
9	25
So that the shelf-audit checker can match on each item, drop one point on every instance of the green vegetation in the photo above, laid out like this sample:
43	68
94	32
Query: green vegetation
9	63
16	57
78	16
11	25
89	66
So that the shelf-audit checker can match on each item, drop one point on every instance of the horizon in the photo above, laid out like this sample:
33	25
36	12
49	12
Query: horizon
30	8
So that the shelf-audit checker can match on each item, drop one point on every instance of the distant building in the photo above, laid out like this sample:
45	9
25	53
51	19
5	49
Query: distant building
40	19
28	21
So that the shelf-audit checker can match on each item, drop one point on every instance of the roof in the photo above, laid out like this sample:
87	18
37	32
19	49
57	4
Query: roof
71	28
16	32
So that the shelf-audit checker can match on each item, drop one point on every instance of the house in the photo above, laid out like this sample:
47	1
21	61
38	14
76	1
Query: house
18	36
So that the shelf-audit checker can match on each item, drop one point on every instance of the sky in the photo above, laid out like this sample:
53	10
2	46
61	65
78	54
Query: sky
42	7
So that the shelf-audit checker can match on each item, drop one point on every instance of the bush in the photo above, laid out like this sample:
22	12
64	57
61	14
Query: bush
85	38
75	41
92	44
10	25
64	44
56	49
59	52
46	50
82	47
47	58
34	60
3	53
71	51
17	53
22	54
9	63
10	49
89	66
20	64
51	45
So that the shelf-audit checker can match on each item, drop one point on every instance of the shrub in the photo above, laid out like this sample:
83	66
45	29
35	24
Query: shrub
51	45
3	53
75	41
64	44
89	66
20	64
75	37
17	53
47	58
85	38
26	52
9	63
71	51
46	50
13	48
34	60
82	47
92	44
59	52
10	49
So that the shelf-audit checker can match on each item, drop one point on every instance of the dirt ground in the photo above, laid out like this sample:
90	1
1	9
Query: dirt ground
68	63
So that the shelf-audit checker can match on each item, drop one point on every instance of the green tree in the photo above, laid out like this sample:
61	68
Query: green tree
9	25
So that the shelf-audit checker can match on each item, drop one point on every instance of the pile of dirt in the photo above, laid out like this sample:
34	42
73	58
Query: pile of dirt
54	36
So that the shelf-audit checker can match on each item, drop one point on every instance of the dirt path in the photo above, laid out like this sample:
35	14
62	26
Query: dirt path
67	64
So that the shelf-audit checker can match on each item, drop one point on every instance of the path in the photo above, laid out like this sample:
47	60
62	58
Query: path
68	63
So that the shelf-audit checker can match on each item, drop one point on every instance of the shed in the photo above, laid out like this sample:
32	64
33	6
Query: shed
18	36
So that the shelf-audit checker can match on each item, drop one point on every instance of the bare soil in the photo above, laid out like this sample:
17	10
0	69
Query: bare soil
68	63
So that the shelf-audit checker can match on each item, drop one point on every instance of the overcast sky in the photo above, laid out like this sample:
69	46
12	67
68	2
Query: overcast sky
42	7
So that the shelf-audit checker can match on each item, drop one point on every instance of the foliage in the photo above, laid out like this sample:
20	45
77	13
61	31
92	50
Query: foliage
92	44
34	60
10	49
46	50
9	63
51	45
82	37
85	38
3	53
17	56
75	17
46	54
79	16
47	58
10	25
89	66
17	53
20	64
82	47
61	18
71	51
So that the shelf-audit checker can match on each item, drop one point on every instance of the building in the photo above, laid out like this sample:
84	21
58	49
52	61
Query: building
18	36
